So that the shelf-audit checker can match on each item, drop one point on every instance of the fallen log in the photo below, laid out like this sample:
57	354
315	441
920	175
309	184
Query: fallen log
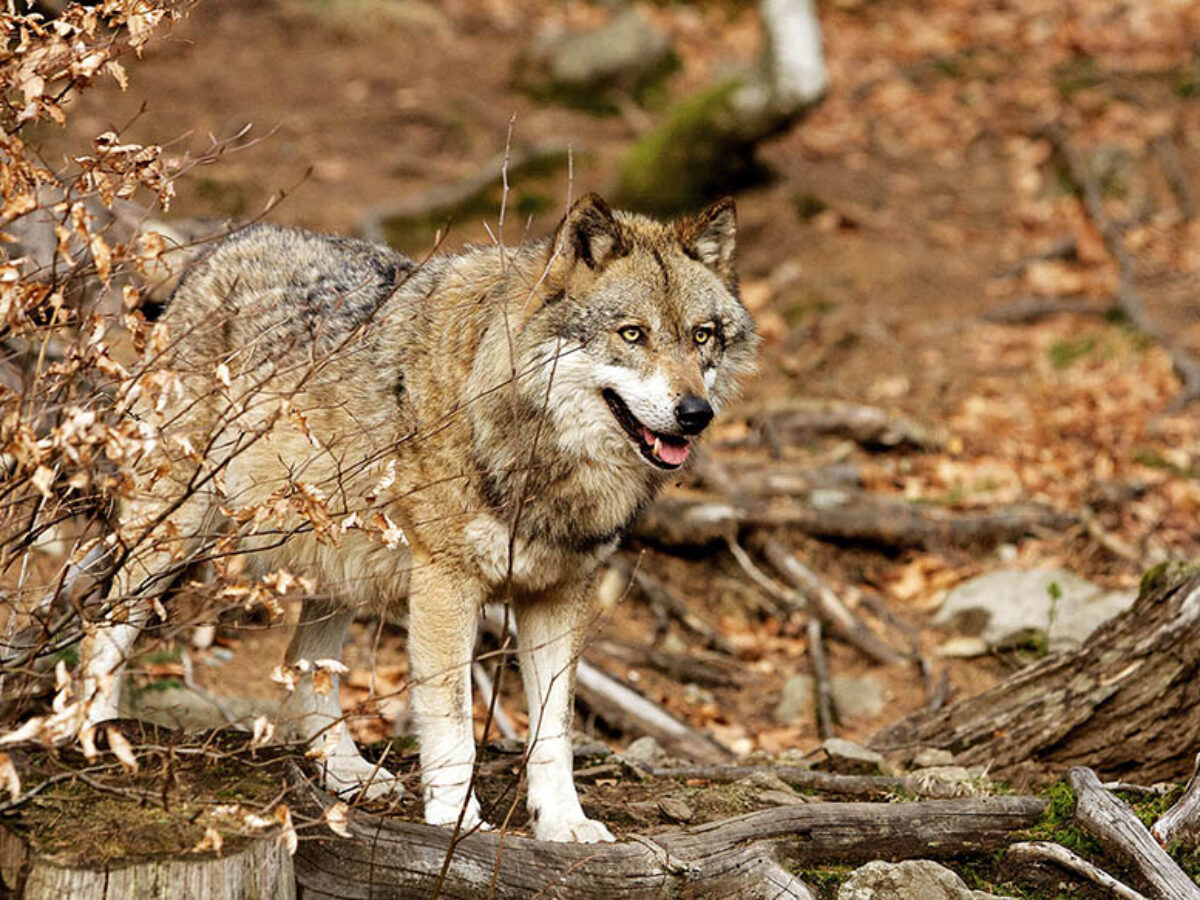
1123	703
844	515
830	783
799	421
1127	840
743	856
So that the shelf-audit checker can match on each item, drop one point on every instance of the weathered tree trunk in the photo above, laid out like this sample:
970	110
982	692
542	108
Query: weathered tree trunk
1124	703
741	857
706	145
260	869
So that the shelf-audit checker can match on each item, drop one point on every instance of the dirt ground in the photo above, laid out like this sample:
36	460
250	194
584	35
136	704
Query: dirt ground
919	196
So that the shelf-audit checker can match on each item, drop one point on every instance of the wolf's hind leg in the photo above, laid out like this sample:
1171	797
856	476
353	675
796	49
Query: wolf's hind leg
317	716
549	634
443	614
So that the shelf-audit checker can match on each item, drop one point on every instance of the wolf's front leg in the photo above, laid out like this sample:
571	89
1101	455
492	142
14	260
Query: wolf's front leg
317	717
443	614
550	634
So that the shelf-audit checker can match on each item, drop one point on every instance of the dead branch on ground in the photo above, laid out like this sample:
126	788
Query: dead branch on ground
1126	299
1181	823
1118	831
1025	853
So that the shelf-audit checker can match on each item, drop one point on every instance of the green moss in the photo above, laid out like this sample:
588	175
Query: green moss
1154	460
69	655
1064	353
1166	574
1077	74
808	206
1058	823
691	157
825	880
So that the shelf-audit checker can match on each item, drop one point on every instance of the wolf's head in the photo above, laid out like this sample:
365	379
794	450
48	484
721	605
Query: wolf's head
639	330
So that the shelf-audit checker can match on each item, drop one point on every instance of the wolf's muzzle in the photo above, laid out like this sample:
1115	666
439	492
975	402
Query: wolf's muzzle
693	414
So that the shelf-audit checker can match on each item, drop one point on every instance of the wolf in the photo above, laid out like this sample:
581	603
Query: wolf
483	426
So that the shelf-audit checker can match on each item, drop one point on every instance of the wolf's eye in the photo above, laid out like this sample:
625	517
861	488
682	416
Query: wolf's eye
630	333
701	334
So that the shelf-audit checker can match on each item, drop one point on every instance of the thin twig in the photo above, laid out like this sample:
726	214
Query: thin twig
820	668
1127	298
1025	852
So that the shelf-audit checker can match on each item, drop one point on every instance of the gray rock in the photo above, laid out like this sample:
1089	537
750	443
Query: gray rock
765	781
932	756
645	750
857	698
675	809
796	703
1009	606
783	798
581	67
849	758
914	879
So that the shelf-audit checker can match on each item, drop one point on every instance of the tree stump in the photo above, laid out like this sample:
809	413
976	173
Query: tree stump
259	869
148	814
1124	703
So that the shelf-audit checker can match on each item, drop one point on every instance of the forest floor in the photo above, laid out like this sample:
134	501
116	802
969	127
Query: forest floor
921	195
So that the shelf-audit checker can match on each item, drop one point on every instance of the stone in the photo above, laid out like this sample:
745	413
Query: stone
796	701
645	750
857	698
644	811
913	879
1012	606
849	758
585	68
932	756
764	781
675	809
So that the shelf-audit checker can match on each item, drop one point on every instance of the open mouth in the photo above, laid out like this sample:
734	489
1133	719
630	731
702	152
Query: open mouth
666	451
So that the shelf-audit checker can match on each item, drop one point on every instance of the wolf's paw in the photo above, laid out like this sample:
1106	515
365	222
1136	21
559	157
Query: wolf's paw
349	776
445	812
579	831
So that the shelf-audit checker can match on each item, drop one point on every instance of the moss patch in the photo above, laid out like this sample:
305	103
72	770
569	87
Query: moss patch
98	812
694	155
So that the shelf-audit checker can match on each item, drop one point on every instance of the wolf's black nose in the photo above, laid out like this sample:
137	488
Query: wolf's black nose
693	414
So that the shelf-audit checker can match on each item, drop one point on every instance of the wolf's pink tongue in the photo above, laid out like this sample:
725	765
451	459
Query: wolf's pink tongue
674	454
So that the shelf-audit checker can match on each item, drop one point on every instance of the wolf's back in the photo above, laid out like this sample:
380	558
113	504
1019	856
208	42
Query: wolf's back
272	292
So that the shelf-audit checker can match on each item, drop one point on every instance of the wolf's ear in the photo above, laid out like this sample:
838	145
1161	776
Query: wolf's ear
711	237
591	233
